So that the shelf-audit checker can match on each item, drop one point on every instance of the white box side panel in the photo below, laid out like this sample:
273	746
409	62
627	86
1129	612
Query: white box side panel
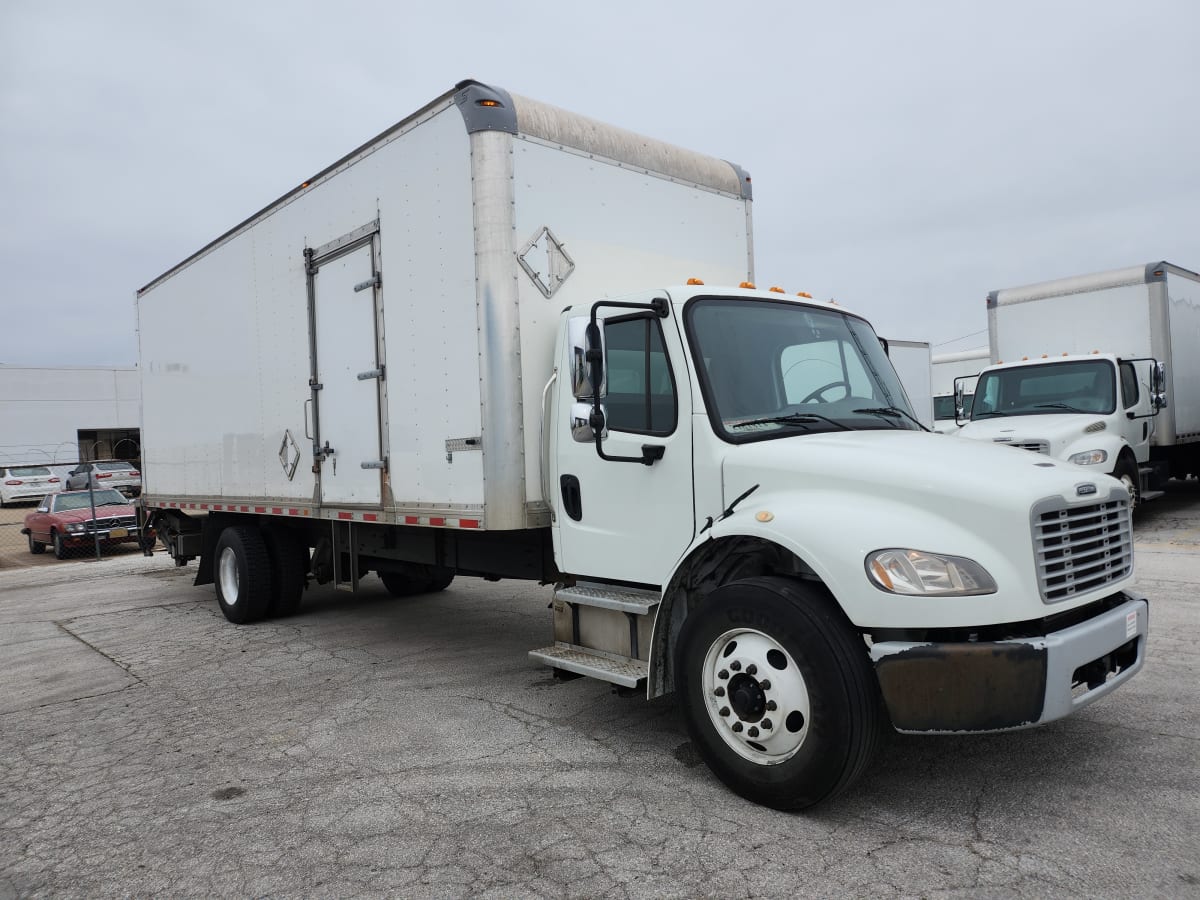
946	370
1114	320
1183	305
225	340
625	231
430	326
910	359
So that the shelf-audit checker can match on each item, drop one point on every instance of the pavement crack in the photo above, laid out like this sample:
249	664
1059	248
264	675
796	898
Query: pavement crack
112	659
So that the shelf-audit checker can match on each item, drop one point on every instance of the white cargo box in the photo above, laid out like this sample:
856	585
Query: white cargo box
375	344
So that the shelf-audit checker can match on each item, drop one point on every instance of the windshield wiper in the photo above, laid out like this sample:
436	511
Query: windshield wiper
793	419
1057	405
988	415
893	412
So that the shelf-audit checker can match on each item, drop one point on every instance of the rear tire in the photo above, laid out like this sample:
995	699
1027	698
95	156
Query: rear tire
417	579
36	547
242	574
777	691
289	568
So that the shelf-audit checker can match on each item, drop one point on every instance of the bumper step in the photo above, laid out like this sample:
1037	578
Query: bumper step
623	671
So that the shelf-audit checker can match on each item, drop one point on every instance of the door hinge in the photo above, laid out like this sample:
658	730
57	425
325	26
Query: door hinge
373	282
371	373
315	385
375	464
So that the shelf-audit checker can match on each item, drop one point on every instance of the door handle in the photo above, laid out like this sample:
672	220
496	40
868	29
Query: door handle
572	497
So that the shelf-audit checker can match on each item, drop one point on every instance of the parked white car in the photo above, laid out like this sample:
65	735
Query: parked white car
27	483
121	476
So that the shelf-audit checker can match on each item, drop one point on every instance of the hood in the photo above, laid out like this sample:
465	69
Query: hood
112	511
906	466
1054	427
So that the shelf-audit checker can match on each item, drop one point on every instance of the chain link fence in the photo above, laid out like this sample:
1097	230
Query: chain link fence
72	504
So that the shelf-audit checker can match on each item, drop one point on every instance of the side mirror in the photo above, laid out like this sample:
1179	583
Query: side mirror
581	369
581	422
960	406
1158	385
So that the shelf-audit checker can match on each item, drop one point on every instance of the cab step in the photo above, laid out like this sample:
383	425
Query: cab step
620	670
1151	495
606	596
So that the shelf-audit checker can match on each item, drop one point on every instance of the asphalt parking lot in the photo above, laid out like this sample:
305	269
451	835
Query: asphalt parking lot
410	747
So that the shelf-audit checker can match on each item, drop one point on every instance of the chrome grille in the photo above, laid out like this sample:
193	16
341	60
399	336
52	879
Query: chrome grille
1081	548
129	522
1035	446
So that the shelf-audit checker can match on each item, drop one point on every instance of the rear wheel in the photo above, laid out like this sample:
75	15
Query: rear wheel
242	572
417	579
777	692
289	566
36	546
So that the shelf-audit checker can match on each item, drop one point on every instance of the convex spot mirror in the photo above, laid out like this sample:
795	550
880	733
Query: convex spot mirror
581	370
581	422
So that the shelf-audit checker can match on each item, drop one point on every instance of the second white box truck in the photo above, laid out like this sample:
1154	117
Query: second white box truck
1101	371
471	347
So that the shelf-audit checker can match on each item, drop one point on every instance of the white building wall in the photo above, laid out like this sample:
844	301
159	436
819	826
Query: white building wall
43	409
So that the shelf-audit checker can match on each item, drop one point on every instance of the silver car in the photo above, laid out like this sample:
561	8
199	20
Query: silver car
113	474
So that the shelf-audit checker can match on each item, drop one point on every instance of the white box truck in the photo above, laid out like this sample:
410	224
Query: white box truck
912	362
468	348
1101	371
948	369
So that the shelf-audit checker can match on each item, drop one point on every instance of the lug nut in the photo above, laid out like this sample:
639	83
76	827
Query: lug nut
752	669
766	724
724	710
736	666
772	706
723	674
719	692
753	732
737	726
765	684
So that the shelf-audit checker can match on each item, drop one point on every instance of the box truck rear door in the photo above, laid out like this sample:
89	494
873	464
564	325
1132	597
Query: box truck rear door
344	289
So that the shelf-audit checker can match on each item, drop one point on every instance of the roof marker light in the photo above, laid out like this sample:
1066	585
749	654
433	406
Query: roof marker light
694	281
1045	355
776	290
487	103
748	285
804	294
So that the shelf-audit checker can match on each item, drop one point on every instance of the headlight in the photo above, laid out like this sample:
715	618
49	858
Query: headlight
1088	457
914	572
76	527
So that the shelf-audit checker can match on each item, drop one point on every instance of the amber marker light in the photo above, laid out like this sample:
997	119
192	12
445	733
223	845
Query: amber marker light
805	294
487	102
748	285
694	281
776	290
881	573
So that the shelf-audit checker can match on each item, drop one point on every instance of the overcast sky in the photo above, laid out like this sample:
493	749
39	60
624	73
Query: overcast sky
907	157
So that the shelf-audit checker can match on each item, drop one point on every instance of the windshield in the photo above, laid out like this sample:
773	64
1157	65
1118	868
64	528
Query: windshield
774	369
80	500
1084	386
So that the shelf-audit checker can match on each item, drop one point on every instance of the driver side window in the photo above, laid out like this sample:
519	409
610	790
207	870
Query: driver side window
823	371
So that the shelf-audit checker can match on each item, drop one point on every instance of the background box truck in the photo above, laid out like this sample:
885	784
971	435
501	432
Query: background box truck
948	368
1102	371
467	348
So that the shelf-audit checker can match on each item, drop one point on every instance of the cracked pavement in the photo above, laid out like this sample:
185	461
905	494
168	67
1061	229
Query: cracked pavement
409	747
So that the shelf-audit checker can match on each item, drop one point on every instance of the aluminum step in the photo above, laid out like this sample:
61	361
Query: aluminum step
623	671
630	600
1151	495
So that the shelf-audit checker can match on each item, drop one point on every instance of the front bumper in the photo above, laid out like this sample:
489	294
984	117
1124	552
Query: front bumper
947	688
107	536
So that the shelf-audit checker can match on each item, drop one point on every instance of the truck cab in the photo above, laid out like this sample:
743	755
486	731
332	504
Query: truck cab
1094	411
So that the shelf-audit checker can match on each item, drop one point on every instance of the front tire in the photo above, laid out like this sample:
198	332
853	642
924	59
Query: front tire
1126	472
60	549
778	693
242	573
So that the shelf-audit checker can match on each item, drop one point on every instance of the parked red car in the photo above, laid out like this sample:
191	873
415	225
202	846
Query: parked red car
64	520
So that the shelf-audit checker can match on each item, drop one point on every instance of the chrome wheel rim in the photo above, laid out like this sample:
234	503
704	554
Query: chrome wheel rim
755	696
227	576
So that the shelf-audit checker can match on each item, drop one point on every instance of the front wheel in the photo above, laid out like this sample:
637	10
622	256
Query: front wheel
777	691
1127	473
60	549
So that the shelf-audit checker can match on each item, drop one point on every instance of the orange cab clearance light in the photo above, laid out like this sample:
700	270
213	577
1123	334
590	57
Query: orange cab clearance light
805	294
694	281
748	285
776	290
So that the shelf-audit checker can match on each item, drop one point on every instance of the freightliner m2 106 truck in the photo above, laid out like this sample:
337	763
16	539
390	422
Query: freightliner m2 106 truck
1102	371
479	345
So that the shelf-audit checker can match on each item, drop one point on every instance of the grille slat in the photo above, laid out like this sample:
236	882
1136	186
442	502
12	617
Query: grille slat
1082	548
